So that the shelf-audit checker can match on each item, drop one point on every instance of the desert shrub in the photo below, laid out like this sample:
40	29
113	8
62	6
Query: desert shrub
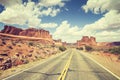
115	50
81	48
119	57
88	48
62	48
31	44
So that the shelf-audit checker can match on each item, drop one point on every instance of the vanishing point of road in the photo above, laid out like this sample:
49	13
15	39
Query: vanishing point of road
69	65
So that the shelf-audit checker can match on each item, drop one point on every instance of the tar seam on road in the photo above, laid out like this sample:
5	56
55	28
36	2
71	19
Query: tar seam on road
104	68
63	73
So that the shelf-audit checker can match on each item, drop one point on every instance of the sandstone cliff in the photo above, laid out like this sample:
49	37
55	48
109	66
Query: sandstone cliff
11	30
90	41
31	32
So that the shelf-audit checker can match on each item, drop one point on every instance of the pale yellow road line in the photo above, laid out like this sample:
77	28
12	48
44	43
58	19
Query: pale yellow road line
64	72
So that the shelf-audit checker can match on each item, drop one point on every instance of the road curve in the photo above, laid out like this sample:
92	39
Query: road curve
80	68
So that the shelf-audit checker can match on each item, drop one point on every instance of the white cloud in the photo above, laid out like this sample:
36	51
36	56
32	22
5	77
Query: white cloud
66	32
108	27
105	29
109	21
7	3
48	3
108	36
18	13
98	6
49	25
49	12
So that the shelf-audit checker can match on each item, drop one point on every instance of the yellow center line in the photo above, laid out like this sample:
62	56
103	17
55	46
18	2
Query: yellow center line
64	72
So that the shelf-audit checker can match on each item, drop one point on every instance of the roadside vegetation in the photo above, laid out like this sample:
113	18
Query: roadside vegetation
114	50
62	48
81	48
88	48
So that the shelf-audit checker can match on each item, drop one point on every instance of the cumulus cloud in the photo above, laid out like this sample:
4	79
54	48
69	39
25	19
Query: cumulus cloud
20	14
66	32
30	13
100	6
49	12
48	3
49	25
108	27
7	3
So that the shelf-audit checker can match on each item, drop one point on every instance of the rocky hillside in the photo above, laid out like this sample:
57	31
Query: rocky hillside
16	51
18	46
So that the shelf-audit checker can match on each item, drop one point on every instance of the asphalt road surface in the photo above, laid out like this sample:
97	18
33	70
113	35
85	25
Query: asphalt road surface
80	68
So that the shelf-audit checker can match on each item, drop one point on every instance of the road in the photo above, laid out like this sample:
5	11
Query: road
80	67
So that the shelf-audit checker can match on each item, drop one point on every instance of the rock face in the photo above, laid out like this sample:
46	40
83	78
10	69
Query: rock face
58	42
11	30
90	41
35	33
31	32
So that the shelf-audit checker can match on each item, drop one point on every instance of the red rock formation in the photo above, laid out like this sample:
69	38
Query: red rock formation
40	33
64	43
31	32
58	42
11	30
86	41
93	40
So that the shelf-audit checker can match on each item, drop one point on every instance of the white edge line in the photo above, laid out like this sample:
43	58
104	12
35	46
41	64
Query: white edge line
104	68
19	72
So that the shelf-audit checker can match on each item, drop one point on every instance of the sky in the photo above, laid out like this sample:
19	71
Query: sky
68	20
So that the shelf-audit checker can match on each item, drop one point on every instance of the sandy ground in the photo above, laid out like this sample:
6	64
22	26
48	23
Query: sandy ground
109	61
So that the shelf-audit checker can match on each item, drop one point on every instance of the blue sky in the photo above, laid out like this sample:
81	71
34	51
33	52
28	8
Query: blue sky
75	14
65	19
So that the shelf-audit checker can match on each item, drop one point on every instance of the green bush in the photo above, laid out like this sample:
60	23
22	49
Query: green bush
88	48
62	48
115	50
